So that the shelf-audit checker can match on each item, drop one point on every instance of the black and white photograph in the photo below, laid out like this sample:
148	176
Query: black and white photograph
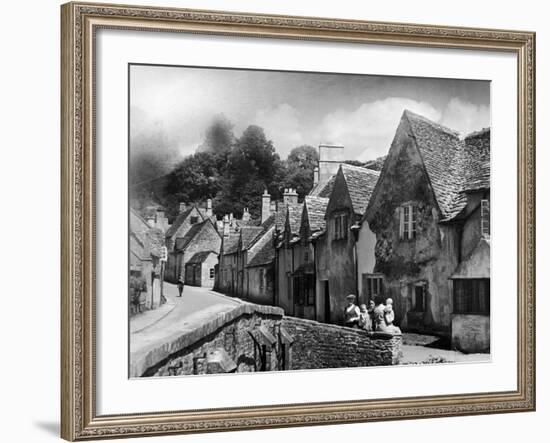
283	220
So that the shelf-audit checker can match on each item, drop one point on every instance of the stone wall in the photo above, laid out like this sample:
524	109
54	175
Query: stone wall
320	345
236	334
259	338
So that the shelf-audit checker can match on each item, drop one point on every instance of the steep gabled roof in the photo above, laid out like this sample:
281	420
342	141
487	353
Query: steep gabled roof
295	217
360	183
181	243
248	235
324	188
453	165
231	243
315	208
440	149
281	215
263	251
180	219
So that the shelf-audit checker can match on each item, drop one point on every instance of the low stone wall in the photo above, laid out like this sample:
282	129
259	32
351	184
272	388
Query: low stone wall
260	338
320	345
228	336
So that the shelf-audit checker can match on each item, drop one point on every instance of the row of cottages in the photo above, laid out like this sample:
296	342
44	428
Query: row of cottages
246	258
317	254
145	245
430	216
193	239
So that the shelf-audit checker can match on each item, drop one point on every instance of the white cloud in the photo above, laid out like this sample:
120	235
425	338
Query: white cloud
465	117
367	132
282	125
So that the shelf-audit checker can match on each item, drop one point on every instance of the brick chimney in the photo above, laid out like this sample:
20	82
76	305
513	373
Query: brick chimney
290	196
315	175
226	225
209	207
266	206
161	221
330	158
246	215
183	207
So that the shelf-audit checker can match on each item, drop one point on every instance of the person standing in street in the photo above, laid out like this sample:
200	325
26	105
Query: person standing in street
181	285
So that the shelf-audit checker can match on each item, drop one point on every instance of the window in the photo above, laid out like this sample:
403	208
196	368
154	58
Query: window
194	219
262	278
419	297
373	286
471	296
211	272
340	226
407	222
304	290
485	219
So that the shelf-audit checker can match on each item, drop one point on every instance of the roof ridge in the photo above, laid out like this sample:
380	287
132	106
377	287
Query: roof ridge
360	168
439	127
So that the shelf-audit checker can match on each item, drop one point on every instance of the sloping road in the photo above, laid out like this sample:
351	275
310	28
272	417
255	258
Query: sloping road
195	307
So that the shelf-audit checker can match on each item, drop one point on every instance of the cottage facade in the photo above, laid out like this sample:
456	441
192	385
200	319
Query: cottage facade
145	244
337	263
200	269
200	237
429	213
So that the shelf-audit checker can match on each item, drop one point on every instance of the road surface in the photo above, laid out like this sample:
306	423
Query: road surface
177	315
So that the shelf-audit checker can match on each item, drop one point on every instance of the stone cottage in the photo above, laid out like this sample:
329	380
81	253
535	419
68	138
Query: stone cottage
304	282
430	215
336	256
200	237
199	270
146	244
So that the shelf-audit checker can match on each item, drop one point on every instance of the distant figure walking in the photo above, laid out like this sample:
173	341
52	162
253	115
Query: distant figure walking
351	313
181	285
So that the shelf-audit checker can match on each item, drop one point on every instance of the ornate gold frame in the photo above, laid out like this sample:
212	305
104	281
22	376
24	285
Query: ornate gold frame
79	420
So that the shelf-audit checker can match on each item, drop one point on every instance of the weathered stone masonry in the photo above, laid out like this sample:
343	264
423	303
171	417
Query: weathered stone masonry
320	345
259	338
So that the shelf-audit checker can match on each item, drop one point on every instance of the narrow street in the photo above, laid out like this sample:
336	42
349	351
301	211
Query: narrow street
177	315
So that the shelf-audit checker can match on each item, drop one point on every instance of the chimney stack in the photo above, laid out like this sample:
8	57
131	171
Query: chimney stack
266	206
151	221
290	196
330	158
161	221
226	225
315	175
183	207
246	215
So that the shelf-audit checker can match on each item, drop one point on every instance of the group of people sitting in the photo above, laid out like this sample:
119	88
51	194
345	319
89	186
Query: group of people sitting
372	317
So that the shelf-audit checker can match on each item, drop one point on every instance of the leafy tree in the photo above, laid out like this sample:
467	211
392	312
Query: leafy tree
300	166
194	179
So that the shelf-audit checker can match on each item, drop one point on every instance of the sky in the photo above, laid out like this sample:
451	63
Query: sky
360	112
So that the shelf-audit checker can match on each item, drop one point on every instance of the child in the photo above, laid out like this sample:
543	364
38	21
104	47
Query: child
364	318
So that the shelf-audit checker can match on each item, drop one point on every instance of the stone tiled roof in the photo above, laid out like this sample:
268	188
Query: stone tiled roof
248	235
262	252
231	243
200	257
324	188
151	240
182	242
360	182
453	165
316	208
179	221
295	217
478	160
